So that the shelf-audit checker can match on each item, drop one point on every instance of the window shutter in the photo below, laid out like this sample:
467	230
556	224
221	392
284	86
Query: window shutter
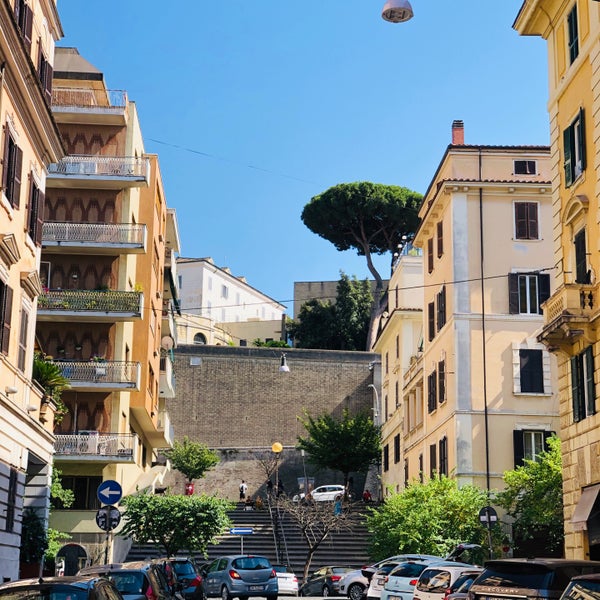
5	158
581	140
432	460
16	195
513	293
575	389
441	382
48	83
518	448
543	289
6	314
430	255
589	383
520	220
440	239
580	258
27	26
547	434
532	221
39	218
431	320
567	140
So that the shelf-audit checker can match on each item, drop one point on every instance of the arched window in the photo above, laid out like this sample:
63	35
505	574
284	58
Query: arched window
199	338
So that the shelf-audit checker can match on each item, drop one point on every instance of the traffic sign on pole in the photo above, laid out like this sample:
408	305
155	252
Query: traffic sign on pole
488	516
241	530
109	492
108	517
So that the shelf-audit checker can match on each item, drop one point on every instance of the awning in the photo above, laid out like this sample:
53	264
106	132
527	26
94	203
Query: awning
584	507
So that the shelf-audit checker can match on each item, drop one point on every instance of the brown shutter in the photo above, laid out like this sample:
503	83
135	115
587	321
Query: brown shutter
16	196
513	293
5	158
27	26
39	225
6	314
48	83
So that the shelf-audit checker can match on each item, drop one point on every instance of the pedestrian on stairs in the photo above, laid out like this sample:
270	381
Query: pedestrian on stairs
243	491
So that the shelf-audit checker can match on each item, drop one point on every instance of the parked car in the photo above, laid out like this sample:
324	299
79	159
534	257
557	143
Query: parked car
528	578
378	579
357	581
139	580
188	576
459	590
583	586
326	493
435	581
324	582
400	583
241	576
288	582
76	588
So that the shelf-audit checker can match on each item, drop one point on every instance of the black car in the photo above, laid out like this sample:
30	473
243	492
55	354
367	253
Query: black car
324	582
60	588
584	586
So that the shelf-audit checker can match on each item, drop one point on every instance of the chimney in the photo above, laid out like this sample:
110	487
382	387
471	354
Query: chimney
458	133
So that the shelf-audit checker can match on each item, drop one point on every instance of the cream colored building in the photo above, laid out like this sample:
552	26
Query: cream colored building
488	396
572	30
30	141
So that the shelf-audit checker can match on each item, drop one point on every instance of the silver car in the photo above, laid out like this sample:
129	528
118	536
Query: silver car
399	584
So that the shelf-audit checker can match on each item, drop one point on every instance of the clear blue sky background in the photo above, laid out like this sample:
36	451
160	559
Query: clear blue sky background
255	106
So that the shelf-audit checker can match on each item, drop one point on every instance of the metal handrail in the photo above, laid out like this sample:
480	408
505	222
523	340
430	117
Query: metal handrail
90	300
95	443
88	98
118	166
102	233
100	371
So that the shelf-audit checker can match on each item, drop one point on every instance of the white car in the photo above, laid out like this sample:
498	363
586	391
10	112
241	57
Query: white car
436	580
325	493
400	583
287	580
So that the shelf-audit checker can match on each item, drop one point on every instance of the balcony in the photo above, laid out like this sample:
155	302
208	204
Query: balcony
90	306
166	427
93	446
569	314
167	380
94	238
90	106
102	375
105	172
168	327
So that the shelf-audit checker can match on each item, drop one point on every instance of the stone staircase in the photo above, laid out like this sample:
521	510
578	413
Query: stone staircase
343	548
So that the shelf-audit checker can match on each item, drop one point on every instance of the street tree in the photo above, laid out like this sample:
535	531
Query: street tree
428	518
316	326
370	218
192	459
347	444
175	522
316	521
533	497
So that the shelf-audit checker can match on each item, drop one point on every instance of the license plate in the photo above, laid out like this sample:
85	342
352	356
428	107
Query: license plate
256	588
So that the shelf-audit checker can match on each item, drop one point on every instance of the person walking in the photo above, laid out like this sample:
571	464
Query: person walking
243	491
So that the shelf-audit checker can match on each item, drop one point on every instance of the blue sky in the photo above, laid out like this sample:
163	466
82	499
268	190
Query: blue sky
255	106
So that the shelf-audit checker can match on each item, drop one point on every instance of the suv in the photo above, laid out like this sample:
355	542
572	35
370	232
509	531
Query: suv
584	586
539	578
241	576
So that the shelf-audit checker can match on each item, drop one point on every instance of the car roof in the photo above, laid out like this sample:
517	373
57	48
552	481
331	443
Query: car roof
449	563
590	576
549	562
84	580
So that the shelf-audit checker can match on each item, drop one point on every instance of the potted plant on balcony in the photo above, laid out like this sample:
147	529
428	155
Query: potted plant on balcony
100	369
50	377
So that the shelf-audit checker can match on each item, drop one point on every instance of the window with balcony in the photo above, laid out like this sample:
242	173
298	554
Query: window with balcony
527	292
574	149
582	385
24	18
526	221
6	299
573	34
443	452
12	164
528	445
582	273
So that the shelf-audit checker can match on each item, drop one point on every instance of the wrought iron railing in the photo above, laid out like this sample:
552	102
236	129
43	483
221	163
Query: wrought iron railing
94	443
94	233
88	98
120	373
85	165
108	301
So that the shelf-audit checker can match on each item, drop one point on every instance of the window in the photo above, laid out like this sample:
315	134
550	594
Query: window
444	456
200	338
397	346
440	239
525	167
441	308
224	291
432	460
527	292
397	448
528	445
84	490
45	74
397	394
432	392
574	149
441	382
582	385
582	273
431	320
24	17
385	409
243	343
386	457
573	32
430	255
12	164
526	221
23	340
531	371
6	296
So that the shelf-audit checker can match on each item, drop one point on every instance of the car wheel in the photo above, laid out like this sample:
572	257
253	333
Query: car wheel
355	591
225	595
326	591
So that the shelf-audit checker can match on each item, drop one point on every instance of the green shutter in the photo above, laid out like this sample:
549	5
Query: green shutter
582	138
567	136
575	389
589	383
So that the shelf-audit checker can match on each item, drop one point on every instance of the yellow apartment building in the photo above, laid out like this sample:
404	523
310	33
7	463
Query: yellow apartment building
30	142
572	30
488	394
104	315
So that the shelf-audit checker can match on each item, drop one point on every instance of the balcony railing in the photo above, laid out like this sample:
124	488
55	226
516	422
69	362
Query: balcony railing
85	166
97	234
107	303
574	299
88	98
101	374
95	445
167	380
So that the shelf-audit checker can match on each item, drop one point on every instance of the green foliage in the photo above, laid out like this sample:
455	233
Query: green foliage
175	522
60	496
270	344
34	540
49	376
534	498
349	444
56	540
340	326
192	459
429	518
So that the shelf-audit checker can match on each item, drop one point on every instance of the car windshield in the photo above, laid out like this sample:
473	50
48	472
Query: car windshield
128	582
530	576
583	589
281	569
251	563
340	570
55	592
184	568
408	570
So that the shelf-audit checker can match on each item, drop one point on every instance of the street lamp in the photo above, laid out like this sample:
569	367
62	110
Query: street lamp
397	11
276	448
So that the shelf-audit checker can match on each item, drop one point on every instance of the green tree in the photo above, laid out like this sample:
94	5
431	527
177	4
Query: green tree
34	539
270	344
429	518
349	444
175	522
192	459
370	218
533	497
316	326
60	497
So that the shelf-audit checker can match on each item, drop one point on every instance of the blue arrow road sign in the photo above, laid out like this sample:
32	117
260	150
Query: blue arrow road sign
109	492
241	530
